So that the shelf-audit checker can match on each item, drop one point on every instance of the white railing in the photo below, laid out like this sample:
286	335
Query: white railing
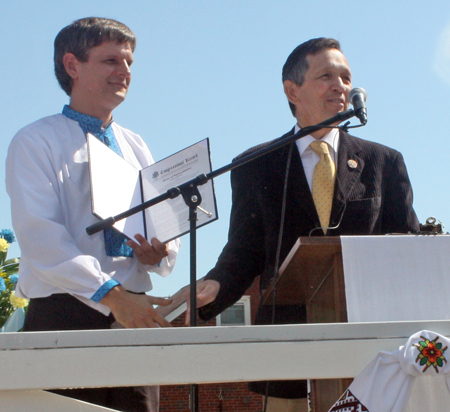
31	362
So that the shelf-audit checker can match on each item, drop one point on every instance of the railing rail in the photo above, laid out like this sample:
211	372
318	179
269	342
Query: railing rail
44	360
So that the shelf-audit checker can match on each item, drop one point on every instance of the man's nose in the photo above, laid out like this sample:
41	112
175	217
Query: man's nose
339	85
125	69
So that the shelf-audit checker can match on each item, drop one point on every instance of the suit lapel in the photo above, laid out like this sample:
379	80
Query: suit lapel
350	167
300	194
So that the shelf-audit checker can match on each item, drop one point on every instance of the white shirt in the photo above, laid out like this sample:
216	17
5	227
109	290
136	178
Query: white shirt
47	179
310	157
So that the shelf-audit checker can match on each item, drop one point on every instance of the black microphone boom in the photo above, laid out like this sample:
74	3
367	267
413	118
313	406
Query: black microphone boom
358	98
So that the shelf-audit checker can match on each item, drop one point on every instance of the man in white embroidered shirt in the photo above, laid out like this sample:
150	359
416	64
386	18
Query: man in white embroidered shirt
75	281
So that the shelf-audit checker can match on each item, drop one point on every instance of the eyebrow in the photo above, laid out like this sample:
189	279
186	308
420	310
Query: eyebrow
338	67
118	56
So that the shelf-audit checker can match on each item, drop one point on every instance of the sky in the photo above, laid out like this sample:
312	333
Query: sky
210	68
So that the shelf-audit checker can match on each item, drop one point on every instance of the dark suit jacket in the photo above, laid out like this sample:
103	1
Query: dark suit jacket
373	198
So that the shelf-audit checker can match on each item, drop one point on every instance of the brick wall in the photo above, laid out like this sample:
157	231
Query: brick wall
224	397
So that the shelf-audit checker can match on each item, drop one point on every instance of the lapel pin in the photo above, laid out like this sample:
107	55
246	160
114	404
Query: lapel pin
353	164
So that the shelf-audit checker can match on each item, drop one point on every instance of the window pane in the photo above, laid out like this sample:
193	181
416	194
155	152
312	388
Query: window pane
233	316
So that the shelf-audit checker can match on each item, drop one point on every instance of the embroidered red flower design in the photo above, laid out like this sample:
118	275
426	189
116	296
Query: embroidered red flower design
431	353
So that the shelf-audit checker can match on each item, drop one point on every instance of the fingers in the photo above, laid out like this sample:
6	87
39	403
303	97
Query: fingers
160	301
135	311
148	253
187	319
158	319
161	321
207	291
159	247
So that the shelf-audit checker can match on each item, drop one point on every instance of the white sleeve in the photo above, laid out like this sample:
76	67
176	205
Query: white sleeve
49	250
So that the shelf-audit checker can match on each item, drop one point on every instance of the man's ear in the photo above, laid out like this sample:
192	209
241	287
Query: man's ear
291	90
71	65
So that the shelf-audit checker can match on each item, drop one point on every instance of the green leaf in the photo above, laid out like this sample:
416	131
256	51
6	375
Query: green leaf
423	361
11	269
11	261
439	361
3	257
438	345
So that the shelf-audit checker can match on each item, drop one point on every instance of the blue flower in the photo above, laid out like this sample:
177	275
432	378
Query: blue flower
14	278
8	235
2	285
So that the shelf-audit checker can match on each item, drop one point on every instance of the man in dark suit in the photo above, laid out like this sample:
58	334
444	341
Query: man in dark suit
372	195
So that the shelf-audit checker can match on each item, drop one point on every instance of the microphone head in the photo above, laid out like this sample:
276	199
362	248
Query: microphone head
357	91
358	98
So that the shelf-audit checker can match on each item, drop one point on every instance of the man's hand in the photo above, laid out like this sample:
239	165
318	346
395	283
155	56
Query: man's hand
148	253
135	311
207	291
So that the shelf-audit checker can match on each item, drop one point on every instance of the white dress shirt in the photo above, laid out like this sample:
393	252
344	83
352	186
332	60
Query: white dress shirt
310	157
47	179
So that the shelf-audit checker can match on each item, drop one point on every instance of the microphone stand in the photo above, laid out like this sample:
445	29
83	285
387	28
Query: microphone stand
193	199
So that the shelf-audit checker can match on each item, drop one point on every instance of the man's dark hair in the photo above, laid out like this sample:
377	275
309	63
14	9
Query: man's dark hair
297	64
81	36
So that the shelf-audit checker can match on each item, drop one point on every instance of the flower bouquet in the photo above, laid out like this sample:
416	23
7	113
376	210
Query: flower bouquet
9	302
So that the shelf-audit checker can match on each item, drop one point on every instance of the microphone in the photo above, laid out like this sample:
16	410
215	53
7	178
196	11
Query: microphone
358	98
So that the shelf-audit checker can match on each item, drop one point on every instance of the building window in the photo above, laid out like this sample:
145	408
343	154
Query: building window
236	315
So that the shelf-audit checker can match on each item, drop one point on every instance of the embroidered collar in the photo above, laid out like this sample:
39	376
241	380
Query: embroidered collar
87	123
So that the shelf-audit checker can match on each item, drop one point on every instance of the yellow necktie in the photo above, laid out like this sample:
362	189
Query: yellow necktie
323	183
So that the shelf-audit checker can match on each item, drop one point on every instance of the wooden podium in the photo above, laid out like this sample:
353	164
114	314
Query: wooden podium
313	275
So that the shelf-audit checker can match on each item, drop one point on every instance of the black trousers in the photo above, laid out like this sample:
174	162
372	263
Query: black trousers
64	312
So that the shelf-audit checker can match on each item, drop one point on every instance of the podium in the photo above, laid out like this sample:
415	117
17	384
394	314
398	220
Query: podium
313	275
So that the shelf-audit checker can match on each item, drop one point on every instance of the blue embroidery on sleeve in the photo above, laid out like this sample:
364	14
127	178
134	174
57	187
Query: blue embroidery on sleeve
104	289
